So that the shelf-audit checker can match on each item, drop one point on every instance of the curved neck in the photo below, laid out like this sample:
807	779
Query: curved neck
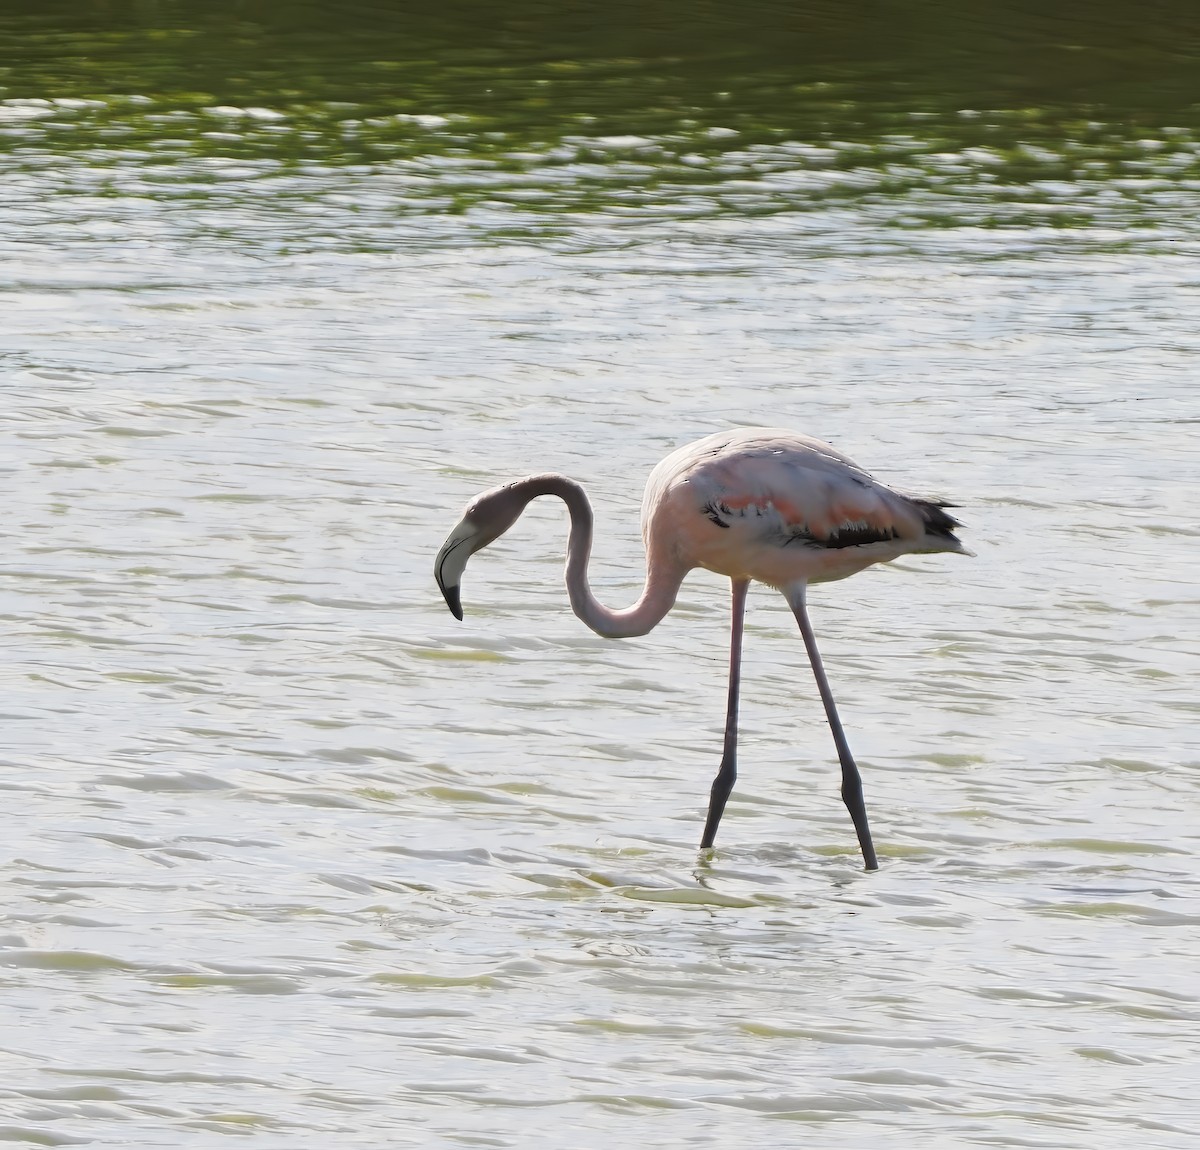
663	577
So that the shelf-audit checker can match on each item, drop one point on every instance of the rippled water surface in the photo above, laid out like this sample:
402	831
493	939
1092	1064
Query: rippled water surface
292	856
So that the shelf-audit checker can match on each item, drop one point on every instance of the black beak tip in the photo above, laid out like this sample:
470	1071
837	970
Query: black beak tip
453	602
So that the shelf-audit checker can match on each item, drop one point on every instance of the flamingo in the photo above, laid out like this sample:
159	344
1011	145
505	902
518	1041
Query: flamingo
753	503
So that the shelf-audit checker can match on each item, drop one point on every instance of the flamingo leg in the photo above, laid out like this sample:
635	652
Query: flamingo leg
852	792
727	773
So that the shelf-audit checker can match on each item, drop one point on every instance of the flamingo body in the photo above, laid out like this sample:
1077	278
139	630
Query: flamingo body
770	505
757	503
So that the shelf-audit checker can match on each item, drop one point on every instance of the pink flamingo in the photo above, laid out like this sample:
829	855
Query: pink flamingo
751	503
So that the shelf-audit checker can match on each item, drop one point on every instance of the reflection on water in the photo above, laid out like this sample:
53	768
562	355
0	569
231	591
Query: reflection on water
292	854
944	120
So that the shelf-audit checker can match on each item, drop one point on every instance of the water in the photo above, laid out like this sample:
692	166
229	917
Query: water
293	856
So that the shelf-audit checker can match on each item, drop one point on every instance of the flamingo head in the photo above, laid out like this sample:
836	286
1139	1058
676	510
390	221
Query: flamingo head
487	517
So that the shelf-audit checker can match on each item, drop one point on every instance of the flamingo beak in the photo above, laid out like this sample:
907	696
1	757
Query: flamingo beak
460	545
453	602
